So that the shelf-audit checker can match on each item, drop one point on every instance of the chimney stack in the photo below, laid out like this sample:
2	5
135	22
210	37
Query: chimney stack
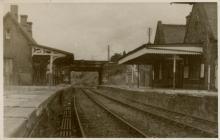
14	11
149	35
188	18
23	20
159	22
29	27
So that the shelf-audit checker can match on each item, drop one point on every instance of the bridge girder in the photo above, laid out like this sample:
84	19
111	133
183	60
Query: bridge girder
88	66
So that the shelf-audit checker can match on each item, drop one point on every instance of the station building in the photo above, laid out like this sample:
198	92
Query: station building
182	56
25	61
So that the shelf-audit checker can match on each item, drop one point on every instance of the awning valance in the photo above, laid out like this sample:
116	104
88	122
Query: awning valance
162	50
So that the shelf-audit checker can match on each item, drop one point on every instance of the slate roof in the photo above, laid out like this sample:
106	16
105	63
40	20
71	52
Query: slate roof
211	13
173	33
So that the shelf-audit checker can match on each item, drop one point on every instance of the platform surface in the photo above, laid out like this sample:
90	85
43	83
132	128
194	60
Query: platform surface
20	102
192	92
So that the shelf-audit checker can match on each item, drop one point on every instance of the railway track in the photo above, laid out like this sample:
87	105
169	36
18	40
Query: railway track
203	132
125	129
90	113
77	120
71	124
66	124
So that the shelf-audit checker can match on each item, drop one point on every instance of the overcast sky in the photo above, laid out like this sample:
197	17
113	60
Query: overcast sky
86	29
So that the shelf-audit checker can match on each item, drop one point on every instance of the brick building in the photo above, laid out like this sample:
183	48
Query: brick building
141	75
202	29
17	50
22	55
182	56
162	70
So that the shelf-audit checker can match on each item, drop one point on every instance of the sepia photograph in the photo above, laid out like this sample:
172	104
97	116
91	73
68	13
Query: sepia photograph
110	69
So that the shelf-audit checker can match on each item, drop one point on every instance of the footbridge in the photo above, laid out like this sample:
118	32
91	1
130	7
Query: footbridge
88	66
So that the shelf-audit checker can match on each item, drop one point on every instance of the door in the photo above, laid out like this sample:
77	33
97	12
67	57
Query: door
8	71
179	74
216	74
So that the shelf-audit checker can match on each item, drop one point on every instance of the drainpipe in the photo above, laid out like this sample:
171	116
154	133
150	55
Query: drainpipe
174	71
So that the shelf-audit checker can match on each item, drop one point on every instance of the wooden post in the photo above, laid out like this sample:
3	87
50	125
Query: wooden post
51	71
152	69
138	76
174	71
109	59
149	35
100	77
209	73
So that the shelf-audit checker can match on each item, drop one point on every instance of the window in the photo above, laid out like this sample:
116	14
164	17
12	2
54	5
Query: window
7	34
167	72
196	22
194	73
8	66
160	71
202	71
186	72
156	72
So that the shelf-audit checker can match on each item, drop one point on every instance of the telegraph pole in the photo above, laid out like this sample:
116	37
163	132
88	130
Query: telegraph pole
108	62
108	53
149	35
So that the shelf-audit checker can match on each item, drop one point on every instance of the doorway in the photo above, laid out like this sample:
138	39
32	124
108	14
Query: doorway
179	74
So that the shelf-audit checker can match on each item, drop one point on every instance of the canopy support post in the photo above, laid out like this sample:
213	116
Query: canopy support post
138	76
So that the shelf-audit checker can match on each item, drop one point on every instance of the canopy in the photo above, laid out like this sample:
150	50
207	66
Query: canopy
176	49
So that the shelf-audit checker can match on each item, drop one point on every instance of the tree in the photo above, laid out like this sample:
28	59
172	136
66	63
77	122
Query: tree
116	57
124	53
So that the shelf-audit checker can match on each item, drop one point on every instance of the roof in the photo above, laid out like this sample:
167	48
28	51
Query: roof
210	9
181	49
23	31
29	37
169	33
49	48
173	33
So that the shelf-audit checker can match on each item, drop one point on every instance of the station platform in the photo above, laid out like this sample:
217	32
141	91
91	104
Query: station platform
192	92
194	108
22	104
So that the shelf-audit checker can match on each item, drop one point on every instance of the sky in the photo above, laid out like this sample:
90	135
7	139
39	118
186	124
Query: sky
86	29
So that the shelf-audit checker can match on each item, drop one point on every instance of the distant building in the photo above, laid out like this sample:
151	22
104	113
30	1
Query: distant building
182	56
25	61
138	76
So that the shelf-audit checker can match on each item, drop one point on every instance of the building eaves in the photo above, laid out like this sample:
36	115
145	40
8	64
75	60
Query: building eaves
159	45
54	49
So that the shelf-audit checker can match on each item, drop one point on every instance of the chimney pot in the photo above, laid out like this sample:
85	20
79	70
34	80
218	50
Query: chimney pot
23	20
14	11
159	22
